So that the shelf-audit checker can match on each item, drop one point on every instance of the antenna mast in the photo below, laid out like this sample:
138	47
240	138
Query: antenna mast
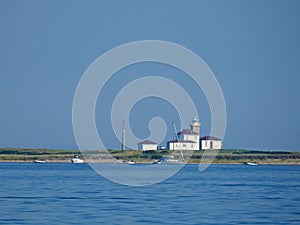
175	131
124	134
177	139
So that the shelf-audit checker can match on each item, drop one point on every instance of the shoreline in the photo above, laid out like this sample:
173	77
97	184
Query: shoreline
224	156
150	163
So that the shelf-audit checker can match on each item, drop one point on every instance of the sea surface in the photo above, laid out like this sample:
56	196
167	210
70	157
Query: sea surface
65	193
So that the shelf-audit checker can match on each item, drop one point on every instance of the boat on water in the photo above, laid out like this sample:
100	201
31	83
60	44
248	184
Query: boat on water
251	163
76	159
39	161
157	161
131	162
169	159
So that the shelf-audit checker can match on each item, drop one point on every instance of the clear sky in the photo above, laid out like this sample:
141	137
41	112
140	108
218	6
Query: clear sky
252	47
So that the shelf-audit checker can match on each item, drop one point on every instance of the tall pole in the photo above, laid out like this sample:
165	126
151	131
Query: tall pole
175	131
124	133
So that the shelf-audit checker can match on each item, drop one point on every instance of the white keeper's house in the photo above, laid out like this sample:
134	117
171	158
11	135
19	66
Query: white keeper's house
190	135
188	139
147	145
182	145
211	142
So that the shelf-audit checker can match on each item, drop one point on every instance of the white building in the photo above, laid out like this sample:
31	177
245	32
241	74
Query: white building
187	139
147	145
182	145
210	142
190	135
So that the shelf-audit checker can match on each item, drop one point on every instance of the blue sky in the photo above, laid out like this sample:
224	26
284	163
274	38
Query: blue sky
251	46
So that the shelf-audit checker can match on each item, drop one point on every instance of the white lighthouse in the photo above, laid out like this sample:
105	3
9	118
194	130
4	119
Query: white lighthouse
195	125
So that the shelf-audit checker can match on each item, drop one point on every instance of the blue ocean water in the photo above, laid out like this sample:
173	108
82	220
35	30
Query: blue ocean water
61	193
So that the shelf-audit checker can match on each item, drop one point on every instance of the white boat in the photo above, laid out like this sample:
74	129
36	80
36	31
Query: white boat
157	161
129	162
251	163
172	161
169	159
39	161
76	159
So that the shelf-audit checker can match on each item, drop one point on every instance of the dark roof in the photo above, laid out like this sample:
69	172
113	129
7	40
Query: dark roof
181	141
148	142
211	138
188	131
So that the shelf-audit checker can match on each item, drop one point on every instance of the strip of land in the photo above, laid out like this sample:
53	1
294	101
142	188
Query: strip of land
229	156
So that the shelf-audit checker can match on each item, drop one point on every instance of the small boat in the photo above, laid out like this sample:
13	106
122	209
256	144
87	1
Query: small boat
158	161
251	163
172	161
131	162
39	161
169	159
76	159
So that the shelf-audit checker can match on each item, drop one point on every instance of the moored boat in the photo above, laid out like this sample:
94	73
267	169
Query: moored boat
39	161
251	163
157	161
76	159
131	162
169	159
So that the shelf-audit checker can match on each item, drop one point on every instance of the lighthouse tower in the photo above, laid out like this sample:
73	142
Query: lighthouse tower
195	125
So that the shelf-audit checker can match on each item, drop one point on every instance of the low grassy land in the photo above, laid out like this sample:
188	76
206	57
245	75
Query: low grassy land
21	155
223	156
